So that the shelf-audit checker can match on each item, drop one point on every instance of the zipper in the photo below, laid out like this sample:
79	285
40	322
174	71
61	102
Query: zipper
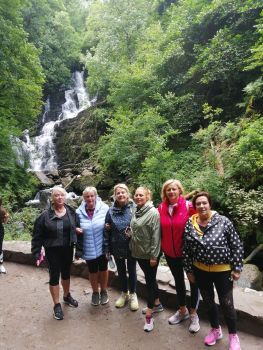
171	219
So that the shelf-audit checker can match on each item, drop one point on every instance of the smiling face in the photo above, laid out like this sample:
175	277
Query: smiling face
172	193
90	199
202	206
140	197
121	196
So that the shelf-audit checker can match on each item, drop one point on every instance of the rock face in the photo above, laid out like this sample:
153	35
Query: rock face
76	140
251	277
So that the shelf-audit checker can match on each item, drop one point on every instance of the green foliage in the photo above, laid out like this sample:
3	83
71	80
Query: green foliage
20	87
51	30
114	27
20	226
21	74
20	187
246	208
130	139
247	155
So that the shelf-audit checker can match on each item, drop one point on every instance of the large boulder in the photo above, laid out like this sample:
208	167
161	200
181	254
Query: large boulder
251	277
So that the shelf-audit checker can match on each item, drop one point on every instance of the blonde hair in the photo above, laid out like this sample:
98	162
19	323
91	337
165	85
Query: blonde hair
124	187
147	192
57	189
169	182
90	189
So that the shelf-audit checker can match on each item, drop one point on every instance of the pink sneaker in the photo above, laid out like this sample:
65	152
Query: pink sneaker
214	335
234	343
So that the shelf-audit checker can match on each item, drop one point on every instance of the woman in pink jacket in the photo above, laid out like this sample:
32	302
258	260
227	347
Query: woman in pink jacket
174	213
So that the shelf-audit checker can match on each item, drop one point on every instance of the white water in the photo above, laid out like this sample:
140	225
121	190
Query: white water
40	150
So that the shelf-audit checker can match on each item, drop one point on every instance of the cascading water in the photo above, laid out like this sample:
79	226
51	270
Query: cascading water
41	149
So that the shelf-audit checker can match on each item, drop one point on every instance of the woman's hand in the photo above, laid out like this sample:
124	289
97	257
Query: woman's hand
153	262
235	275
79	231
108	227
191	277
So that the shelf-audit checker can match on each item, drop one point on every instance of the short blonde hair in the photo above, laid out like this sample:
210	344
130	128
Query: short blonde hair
124	187
90	189
147	192
168	183
57	189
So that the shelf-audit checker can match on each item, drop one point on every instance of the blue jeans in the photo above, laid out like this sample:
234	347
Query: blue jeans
127	283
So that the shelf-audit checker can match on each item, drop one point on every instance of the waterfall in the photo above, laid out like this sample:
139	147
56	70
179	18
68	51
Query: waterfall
40	150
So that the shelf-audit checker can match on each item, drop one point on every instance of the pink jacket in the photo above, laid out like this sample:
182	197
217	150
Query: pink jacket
172	226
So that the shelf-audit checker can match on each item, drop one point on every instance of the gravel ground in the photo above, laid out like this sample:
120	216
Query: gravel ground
26	320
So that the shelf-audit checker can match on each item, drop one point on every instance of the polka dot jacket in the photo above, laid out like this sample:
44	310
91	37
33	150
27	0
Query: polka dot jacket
220	244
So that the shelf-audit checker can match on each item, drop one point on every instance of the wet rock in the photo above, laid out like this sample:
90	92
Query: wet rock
251	277
44	179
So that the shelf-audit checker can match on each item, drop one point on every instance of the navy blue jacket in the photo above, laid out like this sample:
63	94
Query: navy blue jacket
115	240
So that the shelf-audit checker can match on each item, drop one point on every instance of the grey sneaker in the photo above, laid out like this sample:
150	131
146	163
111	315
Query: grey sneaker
104	299
95	299
2	268
155	310
178	317
194	323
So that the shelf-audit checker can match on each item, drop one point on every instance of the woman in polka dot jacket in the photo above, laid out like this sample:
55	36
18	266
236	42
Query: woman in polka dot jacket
213	255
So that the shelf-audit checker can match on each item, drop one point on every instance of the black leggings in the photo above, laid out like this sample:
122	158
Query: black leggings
127	283
150	279
224	287
2	233
59	261
176	267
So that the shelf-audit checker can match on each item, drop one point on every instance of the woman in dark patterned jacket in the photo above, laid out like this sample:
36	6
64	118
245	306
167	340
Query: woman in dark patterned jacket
213	255
116	242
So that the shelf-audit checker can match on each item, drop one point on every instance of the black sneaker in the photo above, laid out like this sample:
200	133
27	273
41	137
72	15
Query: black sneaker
58	313
70	301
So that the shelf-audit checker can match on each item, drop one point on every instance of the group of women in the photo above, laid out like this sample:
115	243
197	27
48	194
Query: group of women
192	237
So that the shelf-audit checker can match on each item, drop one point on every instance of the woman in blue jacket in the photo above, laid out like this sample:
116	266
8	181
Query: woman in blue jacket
116	242
92	212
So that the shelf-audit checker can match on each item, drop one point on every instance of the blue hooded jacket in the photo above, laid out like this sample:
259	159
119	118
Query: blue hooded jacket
92	229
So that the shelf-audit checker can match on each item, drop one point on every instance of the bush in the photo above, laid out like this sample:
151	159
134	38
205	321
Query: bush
20	226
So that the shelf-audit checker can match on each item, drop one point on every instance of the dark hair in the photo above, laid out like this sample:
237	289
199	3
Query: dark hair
202	194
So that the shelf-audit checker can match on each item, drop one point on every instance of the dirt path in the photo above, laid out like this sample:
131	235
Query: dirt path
26	320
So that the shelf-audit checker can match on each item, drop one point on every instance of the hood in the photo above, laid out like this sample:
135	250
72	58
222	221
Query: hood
82	207
144	209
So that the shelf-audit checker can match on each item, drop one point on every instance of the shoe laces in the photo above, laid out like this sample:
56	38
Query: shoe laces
148	319
234	338
194	319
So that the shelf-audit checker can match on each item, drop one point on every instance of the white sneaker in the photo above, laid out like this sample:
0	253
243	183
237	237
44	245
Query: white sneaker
194	323
2	269
121	301
178	317
134	305
149	324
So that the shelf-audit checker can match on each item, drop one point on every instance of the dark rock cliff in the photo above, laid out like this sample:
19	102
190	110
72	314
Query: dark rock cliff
76	141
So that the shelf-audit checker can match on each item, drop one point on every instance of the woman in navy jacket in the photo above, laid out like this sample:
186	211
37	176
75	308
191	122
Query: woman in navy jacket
116	242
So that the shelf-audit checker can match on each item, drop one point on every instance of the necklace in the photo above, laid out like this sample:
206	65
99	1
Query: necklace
60	211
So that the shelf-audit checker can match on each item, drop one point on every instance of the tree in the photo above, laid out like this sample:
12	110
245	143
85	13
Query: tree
49	26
